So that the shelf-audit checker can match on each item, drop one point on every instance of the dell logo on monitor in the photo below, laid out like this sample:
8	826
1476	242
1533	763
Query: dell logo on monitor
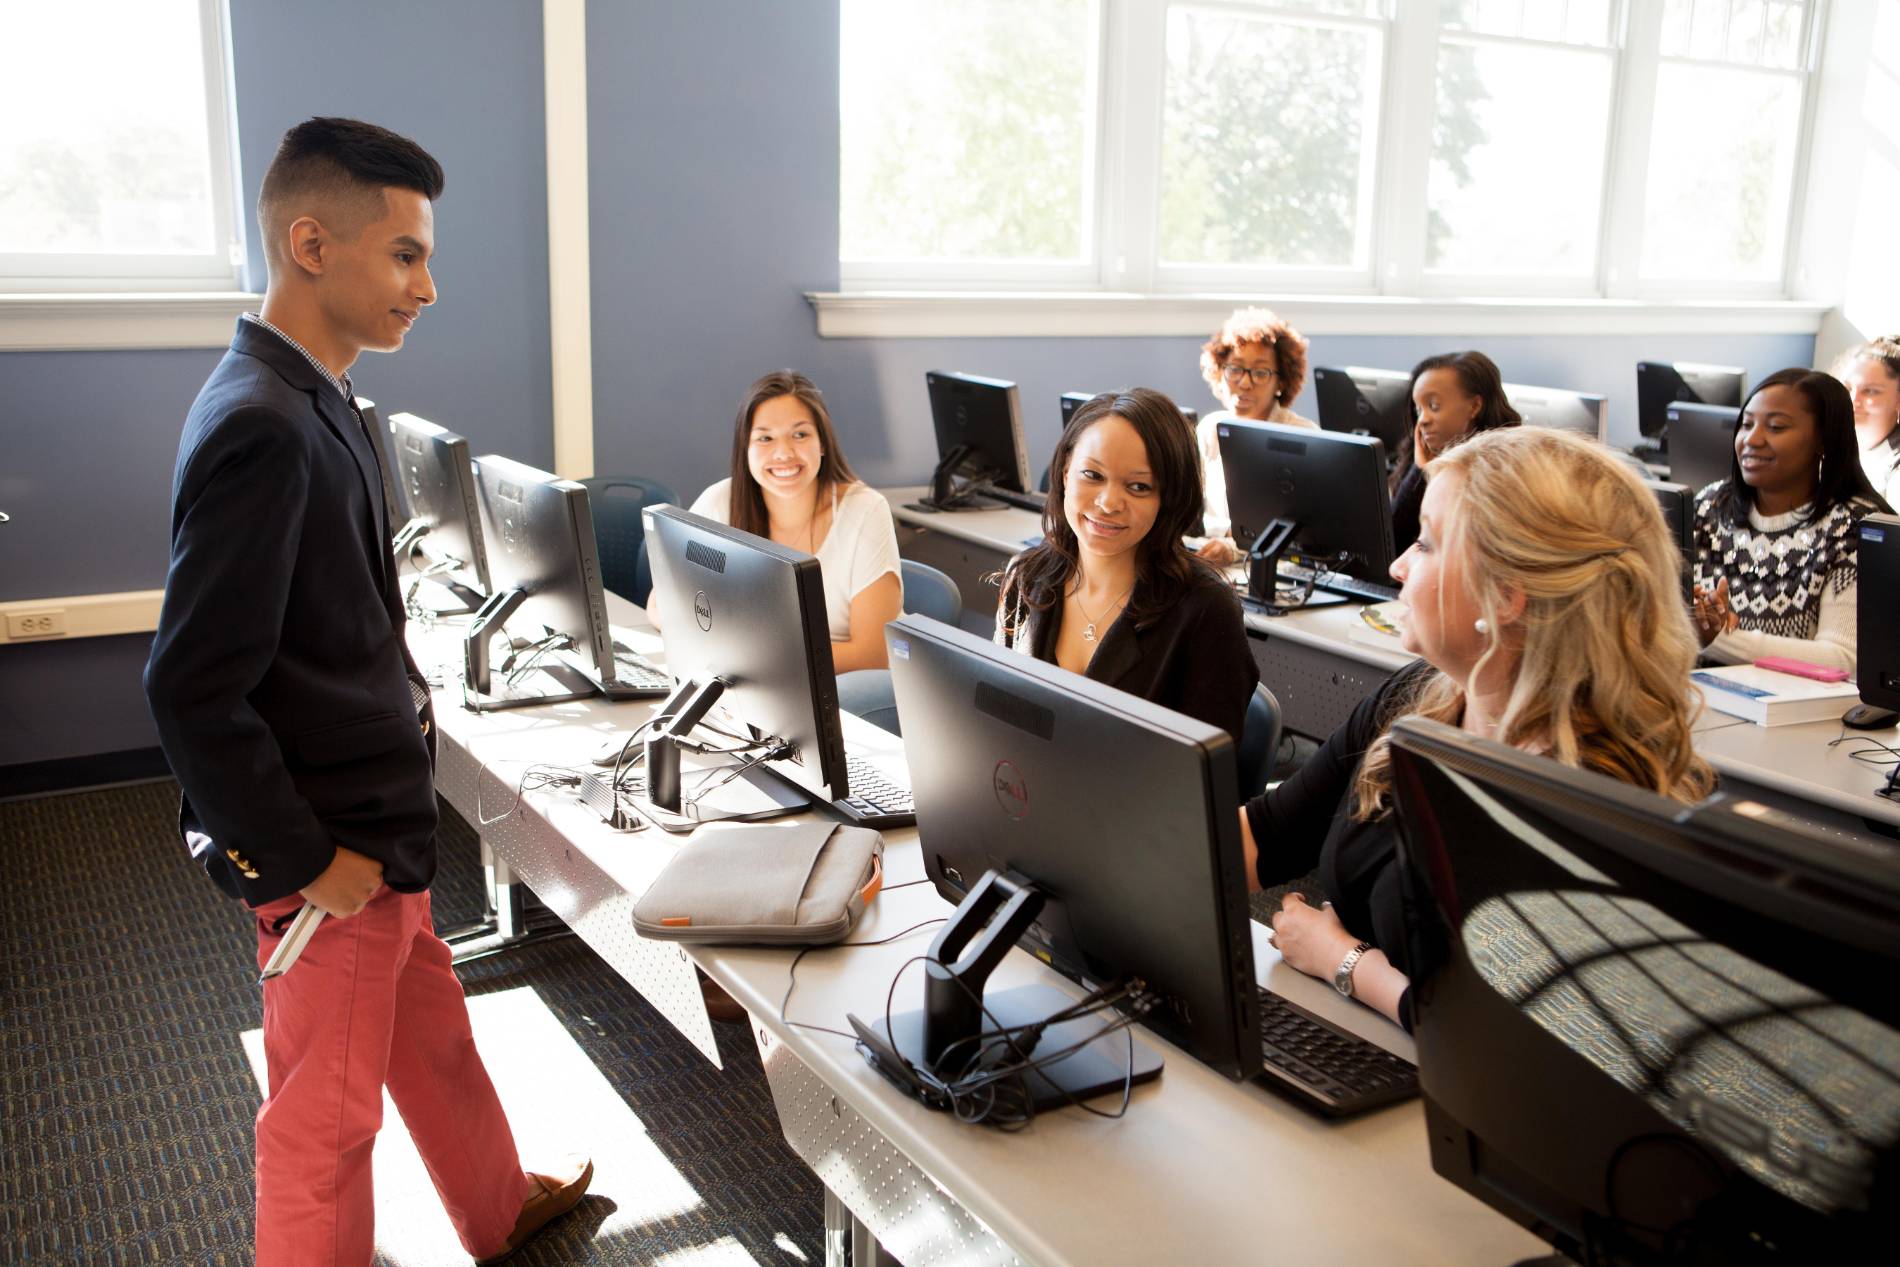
702	610
1011	792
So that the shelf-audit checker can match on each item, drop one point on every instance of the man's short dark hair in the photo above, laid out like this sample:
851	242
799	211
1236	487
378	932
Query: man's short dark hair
344	165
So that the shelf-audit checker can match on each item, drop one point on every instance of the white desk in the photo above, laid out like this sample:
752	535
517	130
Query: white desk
1200	1170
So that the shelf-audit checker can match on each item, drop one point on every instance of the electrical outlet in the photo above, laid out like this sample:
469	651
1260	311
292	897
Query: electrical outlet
50	623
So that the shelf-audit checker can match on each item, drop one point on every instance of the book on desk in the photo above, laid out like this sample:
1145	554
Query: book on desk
1770	698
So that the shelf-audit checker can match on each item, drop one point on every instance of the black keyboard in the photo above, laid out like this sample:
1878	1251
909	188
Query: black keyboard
1022	501
1353	587
1323	1066
635	677
874	801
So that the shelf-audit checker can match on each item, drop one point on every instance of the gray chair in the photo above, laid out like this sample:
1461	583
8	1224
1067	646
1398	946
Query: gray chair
867	693
1259	742
619	531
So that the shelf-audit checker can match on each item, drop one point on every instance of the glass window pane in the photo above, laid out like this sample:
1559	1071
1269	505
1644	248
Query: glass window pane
1516	184
123	166
1721	173
1590	21
1268	135
1544	19
1744	31
1711	29
1781	40
1678	16
965	129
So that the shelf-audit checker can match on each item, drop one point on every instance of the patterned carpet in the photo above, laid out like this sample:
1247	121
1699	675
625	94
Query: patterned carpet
126	1099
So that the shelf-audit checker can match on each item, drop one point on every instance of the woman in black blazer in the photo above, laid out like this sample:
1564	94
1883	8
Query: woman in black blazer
1111	593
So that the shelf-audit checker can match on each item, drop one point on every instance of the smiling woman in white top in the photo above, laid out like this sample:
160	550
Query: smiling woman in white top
1256	365
790	482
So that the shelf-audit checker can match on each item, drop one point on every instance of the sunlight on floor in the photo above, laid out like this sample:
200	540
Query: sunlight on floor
557	1103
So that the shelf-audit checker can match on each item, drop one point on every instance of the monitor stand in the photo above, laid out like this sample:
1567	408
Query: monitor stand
1263	565
751	795
551	681
952	487
958	1016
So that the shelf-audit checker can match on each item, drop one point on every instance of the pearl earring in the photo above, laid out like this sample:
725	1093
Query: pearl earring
1482	625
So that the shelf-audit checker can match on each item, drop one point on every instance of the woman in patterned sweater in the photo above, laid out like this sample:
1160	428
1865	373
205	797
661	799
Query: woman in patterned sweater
1775	573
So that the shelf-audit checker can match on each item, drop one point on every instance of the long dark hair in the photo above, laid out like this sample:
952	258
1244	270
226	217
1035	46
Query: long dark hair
1841	477
1163	566
747	510
1478	375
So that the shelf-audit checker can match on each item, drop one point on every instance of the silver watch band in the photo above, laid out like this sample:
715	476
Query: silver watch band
1342	978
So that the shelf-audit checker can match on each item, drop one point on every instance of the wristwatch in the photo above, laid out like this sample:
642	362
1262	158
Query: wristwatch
1342	979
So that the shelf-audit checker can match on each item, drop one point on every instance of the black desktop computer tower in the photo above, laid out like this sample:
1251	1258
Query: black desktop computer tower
1879	600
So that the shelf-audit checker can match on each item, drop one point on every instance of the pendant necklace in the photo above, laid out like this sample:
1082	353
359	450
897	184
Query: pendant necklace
1088	633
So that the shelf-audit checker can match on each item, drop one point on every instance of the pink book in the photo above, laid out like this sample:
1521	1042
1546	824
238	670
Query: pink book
1801	668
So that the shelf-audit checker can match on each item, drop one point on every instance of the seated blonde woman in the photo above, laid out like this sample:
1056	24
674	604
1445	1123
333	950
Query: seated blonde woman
1543	598
1256	366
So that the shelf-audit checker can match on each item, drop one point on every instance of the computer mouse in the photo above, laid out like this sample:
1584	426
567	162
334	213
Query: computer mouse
1868	717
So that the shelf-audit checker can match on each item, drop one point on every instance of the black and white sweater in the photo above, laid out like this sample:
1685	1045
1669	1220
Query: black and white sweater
1792	581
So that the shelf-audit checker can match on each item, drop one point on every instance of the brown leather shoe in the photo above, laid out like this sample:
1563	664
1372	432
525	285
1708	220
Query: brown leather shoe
553	1197
720	1006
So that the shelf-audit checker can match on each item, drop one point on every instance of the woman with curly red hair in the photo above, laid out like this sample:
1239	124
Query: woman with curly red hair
1256	366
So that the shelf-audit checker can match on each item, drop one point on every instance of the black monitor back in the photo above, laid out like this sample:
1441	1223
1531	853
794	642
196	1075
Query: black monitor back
439	482
1122	811
1332	485
1660	384
1581	412
1701	442
1643	1025
983	416
395	508
1879	656
750	611
1677	503
1369	402
542	532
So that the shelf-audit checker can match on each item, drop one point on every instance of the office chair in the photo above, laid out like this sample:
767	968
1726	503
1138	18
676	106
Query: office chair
1259	742
620	533
927	592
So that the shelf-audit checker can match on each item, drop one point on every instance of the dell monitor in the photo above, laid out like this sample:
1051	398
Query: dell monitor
393	504
980	450
1701	443
432	465
1072	401
1649	1032
1366	402
1660	384
1677	503
1118	815
547	589
750	613
1317	497
1553	407
1878	665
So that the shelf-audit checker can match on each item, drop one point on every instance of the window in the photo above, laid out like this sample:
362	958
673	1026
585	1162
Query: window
1520	136
1459	147
124	182
1723	145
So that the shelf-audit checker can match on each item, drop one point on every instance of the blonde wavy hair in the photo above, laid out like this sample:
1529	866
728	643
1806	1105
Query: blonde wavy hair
1603	678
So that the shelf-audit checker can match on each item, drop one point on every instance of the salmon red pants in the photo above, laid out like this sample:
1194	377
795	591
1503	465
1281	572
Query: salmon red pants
371	1003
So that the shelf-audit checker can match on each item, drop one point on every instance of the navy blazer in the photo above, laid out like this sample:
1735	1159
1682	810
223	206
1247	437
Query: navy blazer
279	677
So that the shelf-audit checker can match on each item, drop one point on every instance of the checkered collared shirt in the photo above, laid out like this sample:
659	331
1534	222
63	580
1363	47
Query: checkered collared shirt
342	386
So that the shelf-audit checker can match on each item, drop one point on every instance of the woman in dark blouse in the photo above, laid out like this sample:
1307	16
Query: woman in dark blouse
1111	592
1455	395
1544	602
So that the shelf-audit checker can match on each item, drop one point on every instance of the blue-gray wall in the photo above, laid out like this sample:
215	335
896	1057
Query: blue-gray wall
87	439
713	165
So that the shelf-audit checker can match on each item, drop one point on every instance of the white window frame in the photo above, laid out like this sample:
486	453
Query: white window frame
218	270
1126	148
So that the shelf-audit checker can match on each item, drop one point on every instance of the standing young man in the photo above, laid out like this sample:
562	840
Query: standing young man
300	728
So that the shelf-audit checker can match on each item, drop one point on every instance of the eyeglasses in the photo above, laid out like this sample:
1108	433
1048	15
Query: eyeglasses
1238	373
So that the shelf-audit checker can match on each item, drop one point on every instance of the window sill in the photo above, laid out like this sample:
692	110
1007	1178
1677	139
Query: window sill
952	315
71	323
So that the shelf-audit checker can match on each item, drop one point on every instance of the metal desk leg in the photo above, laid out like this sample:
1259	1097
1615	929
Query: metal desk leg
505	921
848	1243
